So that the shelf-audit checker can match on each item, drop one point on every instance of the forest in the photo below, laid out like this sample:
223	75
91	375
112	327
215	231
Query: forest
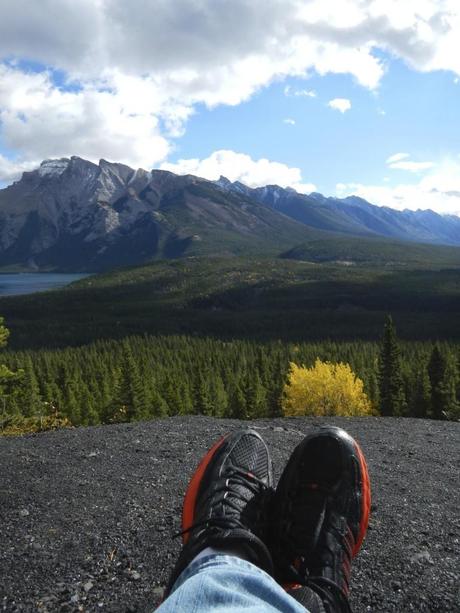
144	377
219	336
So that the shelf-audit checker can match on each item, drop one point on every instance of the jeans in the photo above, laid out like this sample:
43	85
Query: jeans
227	583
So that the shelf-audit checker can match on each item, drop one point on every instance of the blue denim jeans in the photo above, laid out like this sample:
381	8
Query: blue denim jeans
227	583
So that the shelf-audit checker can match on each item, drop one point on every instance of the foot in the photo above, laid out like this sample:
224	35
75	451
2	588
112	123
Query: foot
224	502
322	505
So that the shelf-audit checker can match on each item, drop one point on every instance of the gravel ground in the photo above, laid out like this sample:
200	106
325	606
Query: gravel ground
87	515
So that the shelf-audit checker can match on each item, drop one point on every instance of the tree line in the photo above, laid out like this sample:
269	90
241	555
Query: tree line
144	377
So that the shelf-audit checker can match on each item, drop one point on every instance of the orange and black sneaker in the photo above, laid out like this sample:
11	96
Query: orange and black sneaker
321	512
224	505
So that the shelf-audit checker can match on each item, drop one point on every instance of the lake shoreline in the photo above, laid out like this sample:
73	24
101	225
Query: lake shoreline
23	283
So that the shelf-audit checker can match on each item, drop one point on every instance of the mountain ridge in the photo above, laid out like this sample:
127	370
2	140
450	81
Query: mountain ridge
354	215
71	214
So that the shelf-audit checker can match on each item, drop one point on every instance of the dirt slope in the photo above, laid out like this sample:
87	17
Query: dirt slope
87	515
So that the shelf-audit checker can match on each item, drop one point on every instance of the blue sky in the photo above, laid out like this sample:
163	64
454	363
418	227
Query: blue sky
410	112
336	96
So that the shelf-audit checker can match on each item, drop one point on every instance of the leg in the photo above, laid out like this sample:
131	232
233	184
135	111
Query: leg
222	583
224	512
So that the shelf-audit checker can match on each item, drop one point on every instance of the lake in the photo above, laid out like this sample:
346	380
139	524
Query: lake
31	282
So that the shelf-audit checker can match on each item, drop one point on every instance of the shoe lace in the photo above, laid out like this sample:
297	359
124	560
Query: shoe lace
239	487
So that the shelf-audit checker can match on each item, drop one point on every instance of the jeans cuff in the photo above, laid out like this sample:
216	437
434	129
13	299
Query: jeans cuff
216	561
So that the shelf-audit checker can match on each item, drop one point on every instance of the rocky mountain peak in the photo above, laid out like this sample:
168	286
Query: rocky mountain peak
53	167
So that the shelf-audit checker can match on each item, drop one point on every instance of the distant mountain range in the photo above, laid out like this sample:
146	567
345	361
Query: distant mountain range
71	214
354	216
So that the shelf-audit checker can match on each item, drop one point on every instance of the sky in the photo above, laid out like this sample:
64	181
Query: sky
337	96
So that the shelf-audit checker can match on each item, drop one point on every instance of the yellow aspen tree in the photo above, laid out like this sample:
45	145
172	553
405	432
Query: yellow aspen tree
324	389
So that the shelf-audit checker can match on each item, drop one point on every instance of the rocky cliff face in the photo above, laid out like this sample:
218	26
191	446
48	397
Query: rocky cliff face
69	200
71	214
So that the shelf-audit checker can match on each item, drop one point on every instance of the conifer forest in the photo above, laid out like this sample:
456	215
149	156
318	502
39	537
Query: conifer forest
137	367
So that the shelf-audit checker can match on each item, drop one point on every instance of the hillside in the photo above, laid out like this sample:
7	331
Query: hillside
256	298
88	515
375	252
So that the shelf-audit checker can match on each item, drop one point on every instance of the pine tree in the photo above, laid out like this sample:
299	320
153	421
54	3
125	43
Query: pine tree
443	379
131	393
202	397
391	390
219	396
420	402
237	407
256	397
30	398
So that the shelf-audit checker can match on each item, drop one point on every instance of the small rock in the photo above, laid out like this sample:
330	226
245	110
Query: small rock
92	454
278	429
158	592
88	586
75	598
24	513
135	576
422	556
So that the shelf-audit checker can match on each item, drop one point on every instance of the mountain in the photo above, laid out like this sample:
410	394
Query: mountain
353	216
71	214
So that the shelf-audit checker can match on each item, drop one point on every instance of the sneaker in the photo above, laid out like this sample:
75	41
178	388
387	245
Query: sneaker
322	506
224	505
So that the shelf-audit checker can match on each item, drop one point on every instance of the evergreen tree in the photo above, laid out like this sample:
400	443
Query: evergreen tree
237	403
131	392
391	390
219	396
158	405
202	397
256	397
420	402
443	379
30	398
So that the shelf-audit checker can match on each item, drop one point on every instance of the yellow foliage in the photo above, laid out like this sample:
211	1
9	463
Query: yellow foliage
15	425
324	389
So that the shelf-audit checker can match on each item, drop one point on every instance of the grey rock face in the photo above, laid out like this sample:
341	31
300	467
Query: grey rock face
73	204
71	214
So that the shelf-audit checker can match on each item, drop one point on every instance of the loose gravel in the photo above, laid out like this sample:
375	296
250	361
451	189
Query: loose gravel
87	515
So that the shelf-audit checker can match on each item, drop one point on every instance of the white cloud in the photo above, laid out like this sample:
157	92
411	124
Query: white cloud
41	121
306	93
289	121
438	190
10	170
400	161
340	104
140	67
396	157
241	167
412	166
